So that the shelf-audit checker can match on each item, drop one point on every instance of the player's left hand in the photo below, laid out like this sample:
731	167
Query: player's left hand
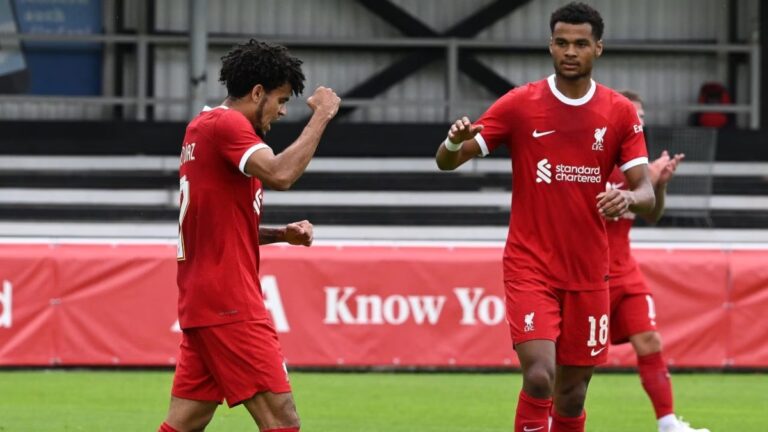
614	203
299	233
666	173
663	169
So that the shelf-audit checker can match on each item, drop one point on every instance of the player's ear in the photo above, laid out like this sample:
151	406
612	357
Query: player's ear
599	45
258	92
549	46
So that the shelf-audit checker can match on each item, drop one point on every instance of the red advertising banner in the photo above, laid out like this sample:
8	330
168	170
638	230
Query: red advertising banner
402	306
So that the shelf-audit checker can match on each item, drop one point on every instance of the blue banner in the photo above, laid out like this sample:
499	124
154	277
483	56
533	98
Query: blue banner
62	68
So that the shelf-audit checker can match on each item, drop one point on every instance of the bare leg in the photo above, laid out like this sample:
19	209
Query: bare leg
571	389
186	415
537	359
273	410
646	343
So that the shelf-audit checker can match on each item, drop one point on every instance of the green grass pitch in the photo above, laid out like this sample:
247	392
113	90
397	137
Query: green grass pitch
369	402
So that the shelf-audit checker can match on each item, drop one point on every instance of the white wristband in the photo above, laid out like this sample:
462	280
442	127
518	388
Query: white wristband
451	147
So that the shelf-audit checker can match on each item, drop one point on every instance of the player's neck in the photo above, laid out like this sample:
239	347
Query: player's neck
237	105
573	88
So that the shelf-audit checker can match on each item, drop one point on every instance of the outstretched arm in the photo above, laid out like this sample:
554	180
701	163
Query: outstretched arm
297	233
460	146
661	170
280	171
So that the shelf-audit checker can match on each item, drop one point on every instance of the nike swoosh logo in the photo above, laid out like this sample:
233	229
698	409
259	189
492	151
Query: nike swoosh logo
527	429
614	186
594	353
537	134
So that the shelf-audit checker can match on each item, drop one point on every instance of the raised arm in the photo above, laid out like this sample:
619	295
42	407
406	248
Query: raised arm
638	199
460	146
280	171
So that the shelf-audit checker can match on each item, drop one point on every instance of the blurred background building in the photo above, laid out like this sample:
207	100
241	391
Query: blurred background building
95	95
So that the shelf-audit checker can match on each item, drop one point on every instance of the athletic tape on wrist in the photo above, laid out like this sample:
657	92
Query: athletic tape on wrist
451	147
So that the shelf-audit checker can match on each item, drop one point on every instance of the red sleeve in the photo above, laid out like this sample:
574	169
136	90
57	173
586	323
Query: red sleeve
236	139
632	151
497	122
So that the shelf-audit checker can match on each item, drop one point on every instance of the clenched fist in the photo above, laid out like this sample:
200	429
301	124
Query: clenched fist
324	102
299	233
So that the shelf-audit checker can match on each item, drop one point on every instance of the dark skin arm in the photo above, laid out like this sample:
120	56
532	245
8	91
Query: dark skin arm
296	233
638	199
280	171
461	132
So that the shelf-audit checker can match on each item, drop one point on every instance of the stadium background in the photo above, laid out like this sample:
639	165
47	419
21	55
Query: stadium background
95	95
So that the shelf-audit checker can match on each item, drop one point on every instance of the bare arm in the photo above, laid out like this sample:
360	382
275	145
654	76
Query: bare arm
297	233
638	199
281	171
462	134
661	170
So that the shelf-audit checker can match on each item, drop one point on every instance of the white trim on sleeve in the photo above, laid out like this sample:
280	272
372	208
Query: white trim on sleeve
569	101
248	154
207	108
483	146
633	163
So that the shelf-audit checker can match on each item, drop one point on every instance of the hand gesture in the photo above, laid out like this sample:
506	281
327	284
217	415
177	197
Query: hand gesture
613	203
299	233
664	167
324	102
463	130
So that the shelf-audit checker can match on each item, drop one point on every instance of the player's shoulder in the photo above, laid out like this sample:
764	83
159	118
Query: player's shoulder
528	92
615	99
224	114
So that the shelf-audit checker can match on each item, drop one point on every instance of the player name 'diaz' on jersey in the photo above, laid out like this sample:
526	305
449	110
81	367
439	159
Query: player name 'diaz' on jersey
219	220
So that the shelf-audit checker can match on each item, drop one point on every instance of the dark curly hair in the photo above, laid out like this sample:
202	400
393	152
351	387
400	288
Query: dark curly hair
578	13
257	62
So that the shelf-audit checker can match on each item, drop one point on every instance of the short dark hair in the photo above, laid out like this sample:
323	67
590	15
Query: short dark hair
257	62
578	13
634	97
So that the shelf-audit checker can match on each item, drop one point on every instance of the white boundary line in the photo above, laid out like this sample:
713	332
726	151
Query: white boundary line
725	246
333	165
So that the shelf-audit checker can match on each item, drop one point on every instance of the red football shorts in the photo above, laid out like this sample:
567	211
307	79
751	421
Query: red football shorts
232	361
577	321
632	311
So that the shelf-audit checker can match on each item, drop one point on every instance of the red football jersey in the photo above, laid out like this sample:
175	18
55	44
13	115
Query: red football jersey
562	152
623	267
218	251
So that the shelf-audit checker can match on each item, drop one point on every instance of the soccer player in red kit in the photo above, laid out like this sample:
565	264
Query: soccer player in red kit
633	313
565	134
229	347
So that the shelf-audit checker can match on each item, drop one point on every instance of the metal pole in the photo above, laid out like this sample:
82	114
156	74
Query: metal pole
142	60
142	53
198	50
723	35
109	11
452	59
754	77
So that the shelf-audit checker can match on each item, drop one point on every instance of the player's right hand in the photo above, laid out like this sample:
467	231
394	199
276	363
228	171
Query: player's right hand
324	102
614	203
463	130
